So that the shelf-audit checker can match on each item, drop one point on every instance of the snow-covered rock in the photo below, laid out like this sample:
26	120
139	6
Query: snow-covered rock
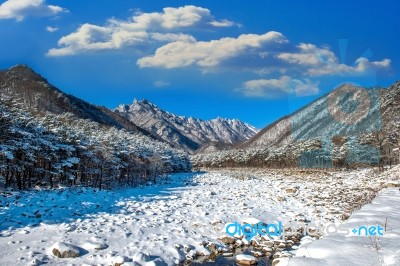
118	261
94	246
64	250
244	259
280	262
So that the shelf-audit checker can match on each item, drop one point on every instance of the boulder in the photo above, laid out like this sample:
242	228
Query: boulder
392	184
291	190
228	240
212	247
345	216
280	261
118	261
243	259
64	250
257	254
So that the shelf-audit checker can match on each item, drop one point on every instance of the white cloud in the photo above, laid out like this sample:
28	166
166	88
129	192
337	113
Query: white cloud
20	9
142	28
222	23
364	64
316	61
208	54
92	38
277	88
161	83
268	53
309	55
51	29
173	18
306	89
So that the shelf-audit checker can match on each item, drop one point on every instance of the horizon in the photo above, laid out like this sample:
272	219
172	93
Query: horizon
272	68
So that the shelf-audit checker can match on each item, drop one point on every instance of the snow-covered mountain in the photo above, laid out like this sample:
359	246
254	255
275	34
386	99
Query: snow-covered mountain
35	94
49	138
321	120
185	132
348	110
348	126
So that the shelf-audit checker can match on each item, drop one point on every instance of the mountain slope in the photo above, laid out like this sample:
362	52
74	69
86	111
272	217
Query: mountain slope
350	125
38	97
319	119
49	138
187	132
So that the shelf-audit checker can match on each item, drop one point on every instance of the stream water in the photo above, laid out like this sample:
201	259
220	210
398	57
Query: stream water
221	260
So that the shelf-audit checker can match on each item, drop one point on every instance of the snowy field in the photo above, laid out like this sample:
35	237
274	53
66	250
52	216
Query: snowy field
184	217
338	249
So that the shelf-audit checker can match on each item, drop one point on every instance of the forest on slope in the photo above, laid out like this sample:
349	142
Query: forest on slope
50	139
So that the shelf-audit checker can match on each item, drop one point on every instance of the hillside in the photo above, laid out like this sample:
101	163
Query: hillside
51	139
350	125
38	96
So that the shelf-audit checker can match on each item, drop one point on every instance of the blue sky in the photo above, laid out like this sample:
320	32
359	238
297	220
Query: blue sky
252	60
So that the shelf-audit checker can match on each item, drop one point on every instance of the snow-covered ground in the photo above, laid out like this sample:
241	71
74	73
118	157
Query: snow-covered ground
178	219
355	250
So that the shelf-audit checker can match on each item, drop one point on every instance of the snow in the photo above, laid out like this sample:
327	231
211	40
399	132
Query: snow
94	246
283	262
244	257
339	249
170	221
250	221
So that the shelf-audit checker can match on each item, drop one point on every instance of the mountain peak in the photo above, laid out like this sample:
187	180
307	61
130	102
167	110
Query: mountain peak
188	133
20	66
143	103
25	72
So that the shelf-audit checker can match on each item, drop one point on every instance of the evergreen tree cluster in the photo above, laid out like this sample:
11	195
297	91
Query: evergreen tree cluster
62	150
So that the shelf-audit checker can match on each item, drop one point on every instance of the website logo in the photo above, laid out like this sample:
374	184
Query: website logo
250	230
237	229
